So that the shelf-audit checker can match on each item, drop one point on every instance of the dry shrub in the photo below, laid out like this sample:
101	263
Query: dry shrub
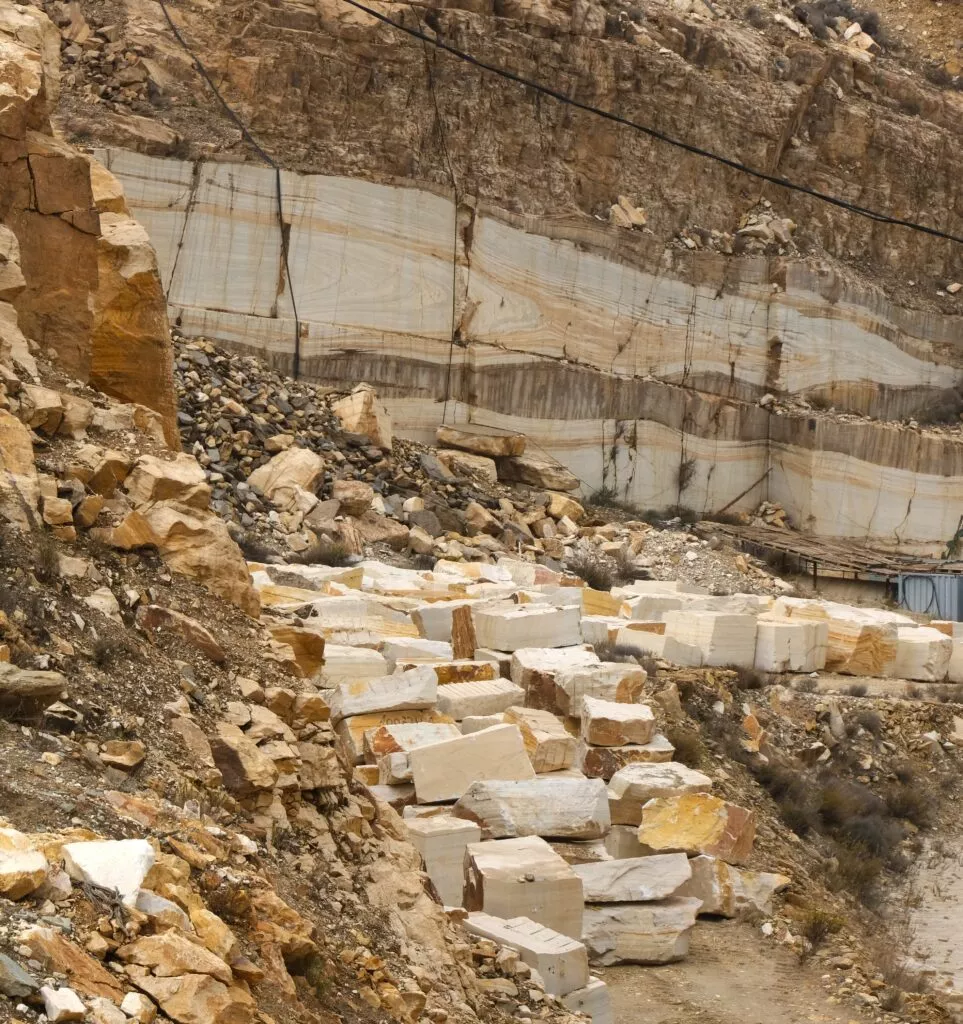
322	552
592	569
608	651
871	721
689	748
857	690
746	678
817	924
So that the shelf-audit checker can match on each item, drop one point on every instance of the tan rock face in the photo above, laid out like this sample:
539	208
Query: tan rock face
698	823
244	767
89	290
200	999
178	479
288	470
22	869
361	412
19	486
490	445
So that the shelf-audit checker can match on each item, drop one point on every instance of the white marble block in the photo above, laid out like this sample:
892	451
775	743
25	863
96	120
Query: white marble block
640	933
484	697
595	1001
611	724
408	691
604	762
535	669
442	840
344	664
790	646
609	680
635	879
635	784
552	806
562	962
711	639
444	771
550	746
415	649
527	626
922	653
524	877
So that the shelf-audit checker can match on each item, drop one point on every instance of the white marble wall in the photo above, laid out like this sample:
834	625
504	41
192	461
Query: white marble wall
558	321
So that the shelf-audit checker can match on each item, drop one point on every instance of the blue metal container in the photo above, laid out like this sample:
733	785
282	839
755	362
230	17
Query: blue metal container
938	594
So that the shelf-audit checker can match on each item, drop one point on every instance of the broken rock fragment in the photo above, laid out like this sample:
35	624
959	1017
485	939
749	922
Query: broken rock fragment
698	823
636	784
640	933
636	879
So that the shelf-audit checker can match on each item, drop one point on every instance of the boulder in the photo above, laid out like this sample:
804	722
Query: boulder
537	471
19	486
62	1004
374	528
535	670
640	933
351	731
41	408
604	762
51	947
24	693
612	724
549	745
118	865
790	646
15	982
474	467
482	697
442	841
511	629
561	962
637	783
179	479
301	651
490	445
636	879
607	681
922	653
594	1001
709	638
698	823
552	806
153	618
354	496
22	868
103	470
170	954
245	769
445	770
288	470
199	999
362	412
414	690
524	878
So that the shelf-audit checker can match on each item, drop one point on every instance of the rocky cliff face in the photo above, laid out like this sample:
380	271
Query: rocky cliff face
87	291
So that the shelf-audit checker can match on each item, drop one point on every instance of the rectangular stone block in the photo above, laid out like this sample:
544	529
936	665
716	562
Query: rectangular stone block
460	671
397	797
561	961
524	877
535	669
434	620
601	629
416	690
527	626
397	737
635	879
344	664
442	840
415	649
552	806
604	762
698	823
611	724
594	1000
922	653
485	697
711	639
550	746
444	771
644	641
350	731
639	933
609	680
636	784
790	646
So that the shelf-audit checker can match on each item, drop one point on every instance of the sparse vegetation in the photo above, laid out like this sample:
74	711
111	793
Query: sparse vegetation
871	721
592	569
102	652
817	924
744	678
689	747
323	552
857	690
46	564
254	549
608	651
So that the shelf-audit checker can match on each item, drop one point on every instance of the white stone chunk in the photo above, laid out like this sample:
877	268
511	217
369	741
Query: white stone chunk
433	619
444	771
407	691
711	639
725	890
562	962
640	933
601	629
60	1004
790	646
415	649
634	880
922	653
535	669
608	723
524	877
118	865
552	806
605	762
475	723
344	664
442	840
527	626
633	785
551	747
594	1000
610	680
484	697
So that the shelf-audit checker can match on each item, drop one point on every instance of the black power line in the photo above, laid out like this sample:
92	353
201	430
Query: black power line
202	70
861	211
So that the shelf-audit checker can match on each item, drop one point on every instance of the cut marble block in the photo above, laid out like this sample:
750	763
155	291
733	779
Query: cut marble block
601	629
862	641
790	646
598	602
344	664
562	962
622	842
698	823
658	587
636	784
635	879
609	680
447	672
552	806
408	691
475	723
395	737
415	649
954	630
550	746
524	877
726	890
535	669
595	1001
611	724
604	762
654	607
350	732
485	697
639	933
527	626
712	639
434	619
442	840
444	771
922	653
397	797
641	638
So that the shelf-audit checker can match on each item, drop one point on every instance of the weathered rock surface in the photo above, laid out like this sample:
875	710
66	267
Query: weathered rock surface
633	786
635	880
698	823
